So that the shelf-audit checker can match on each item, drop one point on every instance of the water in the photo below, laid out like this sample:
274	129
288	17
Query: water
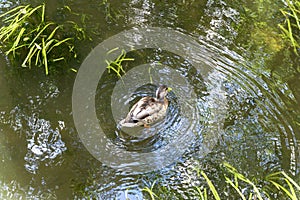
236	97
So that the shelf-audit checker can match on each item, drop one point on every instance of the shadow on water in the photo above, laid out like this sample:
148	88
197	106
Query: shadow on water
42	156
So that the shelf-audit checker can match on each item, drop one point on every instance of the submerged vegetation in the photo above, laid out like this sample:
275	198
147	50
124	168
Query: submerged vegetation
27	36
291	26
237	186
116	65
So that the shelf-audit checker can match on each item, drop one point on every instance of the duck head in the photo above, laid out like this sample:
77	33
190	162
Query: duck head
162	91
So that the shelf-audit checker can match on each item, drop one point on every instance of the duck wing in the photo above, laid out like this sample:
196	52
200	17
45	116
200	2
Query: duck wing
143	108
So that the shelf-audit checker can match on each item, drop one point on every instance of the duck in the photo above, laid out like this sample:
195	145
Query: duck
148	110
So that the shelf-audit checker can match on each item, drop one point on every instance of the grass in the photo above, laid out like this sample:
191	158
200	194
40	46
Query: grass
116	65
211	187
238	185
111	15
27	36
291	27
293	190
240	177
150	191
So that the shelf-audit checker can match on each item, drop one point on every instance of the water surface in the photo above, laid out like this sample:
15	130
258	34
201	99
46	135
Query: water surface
253	79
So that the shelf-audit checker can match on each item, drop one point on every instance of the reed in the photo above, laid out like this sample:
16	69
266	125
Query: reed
279	179
149	190
117	65
236	182
27	36
291	26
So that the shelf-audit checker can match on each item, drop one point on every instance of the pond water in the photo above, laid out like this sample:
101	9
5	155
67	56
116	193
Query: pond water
235	99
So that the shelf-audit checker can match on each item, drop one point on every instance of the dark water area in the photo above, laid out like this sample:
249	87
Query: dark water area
235	99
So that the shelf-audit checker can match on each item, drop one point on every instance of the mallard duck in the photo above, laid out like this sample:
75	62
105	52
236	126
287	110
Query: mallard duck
148	110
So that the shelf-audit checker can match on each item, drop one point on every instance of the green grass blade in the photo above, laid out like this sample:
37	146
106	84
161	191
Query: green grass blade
32	10
58	59
28	56
73	70
13	10
48	44
250	196
256	190
273	175
39	33
292	13
294	197
150	191
59	43
290	32
27	13
17	48
285	31
44	54
37	58
53	33
112	50
115	70
43	13
119	57
211	186
12	17
26	31
241	177
127	59
120	67
32	54
291	180
278	186
11	30
200	193
235	187
16	43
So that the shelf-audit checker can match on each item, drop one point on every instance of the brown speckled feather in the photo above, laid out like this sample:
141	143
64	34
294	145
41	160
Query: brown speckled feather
143	108
147	110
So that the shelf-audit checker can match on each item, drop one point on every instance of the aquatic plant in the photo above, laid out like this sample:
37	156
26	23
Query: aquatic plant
150	191
116	65
27	36
278	179
291	26
111	15
236	182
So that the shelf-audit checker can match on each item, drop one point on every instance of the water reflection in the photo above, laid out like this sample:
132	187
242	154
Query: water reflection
260	134
44	143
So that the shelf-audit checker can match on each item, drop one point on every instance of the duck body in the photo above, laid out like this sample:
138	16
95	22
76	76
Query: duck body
148	110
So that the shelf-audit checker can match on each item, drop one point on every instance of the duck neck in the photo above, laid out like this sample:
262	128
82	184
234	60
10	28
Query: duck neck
162	99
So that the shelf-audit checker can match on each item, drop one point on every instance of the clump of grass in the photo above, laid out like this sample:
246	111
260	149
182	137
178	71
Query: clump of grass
150	191
278	179
27	36
116	65
291	26
241	185
80	32
211	187
234	183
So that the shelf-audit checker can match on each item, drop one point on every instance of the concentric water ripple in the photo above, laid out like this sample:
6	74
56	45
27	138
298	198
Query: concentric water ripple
271	98
200	119
189	124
